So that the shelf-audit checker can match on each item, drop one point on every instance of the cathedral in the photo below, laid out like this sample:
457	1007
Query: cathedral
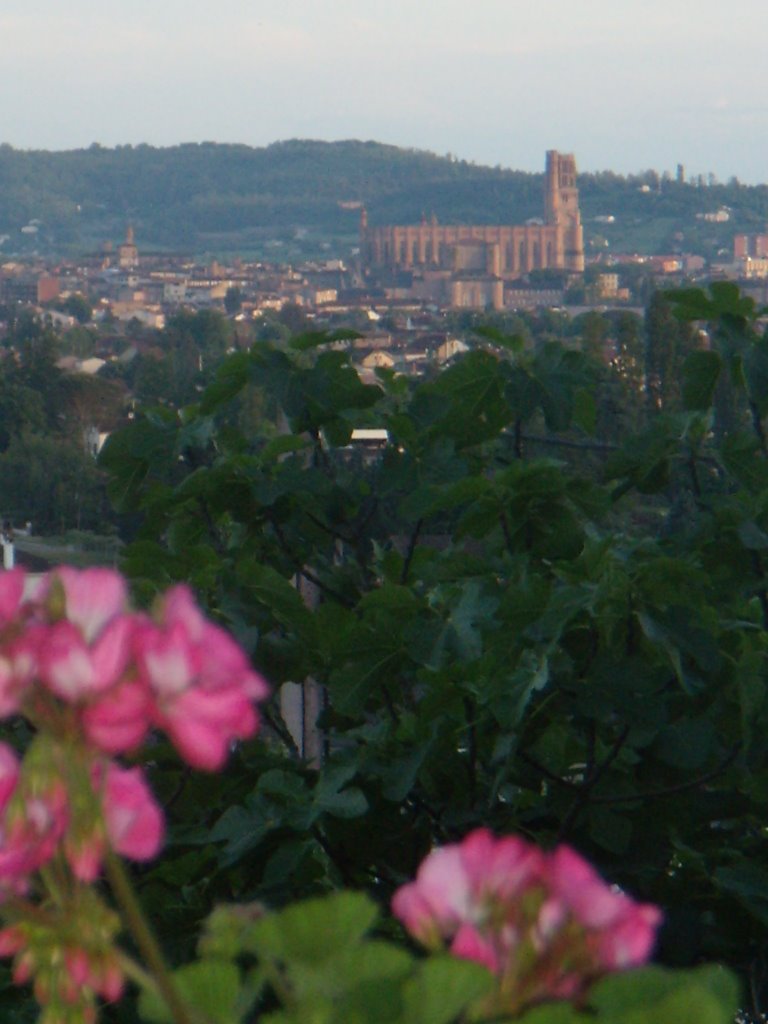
468	265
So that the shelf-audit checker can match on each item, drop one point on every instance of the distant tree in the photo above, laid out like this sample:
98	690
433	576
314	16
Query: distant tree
623	403
593	329
92	402
233	300
270	329
79	307
22	411
53	483
293	317
207	331
667	342
79	341
150	377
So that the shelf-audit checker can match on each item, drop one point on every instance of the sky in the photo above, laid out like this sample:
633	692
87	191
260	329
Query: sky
626	85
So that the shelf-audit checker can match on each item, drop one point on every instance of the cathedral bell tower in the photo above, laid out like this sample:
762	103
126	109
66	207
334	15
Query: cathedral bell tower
561	206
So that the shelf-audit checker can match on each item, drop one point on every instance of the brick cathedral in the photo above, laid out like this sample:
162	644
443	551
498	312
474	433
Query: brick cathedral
470	264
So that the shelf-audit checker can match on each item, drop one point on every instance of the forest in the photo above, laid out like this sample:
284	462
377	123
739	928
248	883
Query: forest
208	197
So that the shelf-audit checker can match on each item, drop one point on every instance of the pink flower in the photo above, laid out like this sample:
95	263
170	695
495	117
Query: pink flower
72	669
30	835
85	855
201	683
593	903
547	925
100	973
117	721
11	940
500	868
626	930
9	774
133	819
440	900
467	883
630	940
18	669
92	596
12	584
202	724
470	943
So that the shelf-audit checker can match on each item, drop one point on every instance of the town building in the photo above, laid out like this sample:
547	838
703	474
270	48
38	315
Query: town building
745	246
468	265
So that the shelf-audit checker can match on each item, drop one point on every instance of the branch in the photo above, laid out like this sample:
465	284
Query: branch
682	787
302	570
328	529
546	772
518	444
181	785
694	471
506	531
558	442
279	728
583	794
410	552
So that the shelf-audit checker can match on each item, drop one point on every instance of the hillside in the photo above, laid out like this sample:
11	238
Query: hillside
209	197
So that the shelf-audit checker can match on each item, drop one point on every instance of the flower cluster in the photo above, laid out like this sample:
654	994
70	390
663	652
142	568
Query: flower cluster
69	958
546	923
73	645
94	678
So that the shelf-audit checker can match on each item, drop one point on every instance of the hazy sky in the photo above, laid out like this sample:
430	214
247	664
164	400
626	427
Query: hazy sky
625	84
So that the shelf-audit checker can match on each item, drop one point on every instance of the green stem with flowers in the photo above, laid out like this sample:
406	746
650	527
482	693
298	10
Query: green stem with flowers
146	942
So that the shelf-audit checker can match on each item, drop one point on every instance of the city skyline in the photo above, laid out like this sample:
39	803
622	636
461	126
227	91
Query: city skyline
645	86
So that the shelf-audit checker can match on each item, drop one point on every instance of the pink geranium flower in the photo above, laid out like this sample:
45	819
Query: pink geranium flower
9	774
30	833
12	585
202	685
92	597
547	924
134	821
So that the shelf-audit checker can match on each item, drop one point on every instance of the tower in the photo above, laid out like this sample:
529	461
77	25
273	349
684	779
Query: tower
127	253
561	207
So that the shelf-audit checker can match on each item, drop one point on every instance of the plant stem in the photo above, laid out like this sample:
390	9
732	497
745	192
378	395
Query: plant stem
148	946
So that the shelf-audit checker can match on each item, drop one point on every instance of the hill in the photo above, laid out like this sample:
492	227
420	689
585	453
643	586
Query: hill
208	197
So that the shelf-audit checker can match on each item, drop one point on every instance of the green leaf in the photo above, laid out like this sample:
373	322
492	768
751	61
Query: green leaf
512	342
748	882
701	372
659	636
741	456
475	407
332	798
611	831
285	444
231	378
211	988
314	339
655	995
512	693
687	745
282	598
314	930
554	1013
752	537
585	410
443	988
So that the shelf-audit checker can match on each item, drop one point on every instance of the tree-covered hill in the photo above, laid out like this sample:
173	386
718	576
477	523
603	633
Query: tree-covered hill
203	197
